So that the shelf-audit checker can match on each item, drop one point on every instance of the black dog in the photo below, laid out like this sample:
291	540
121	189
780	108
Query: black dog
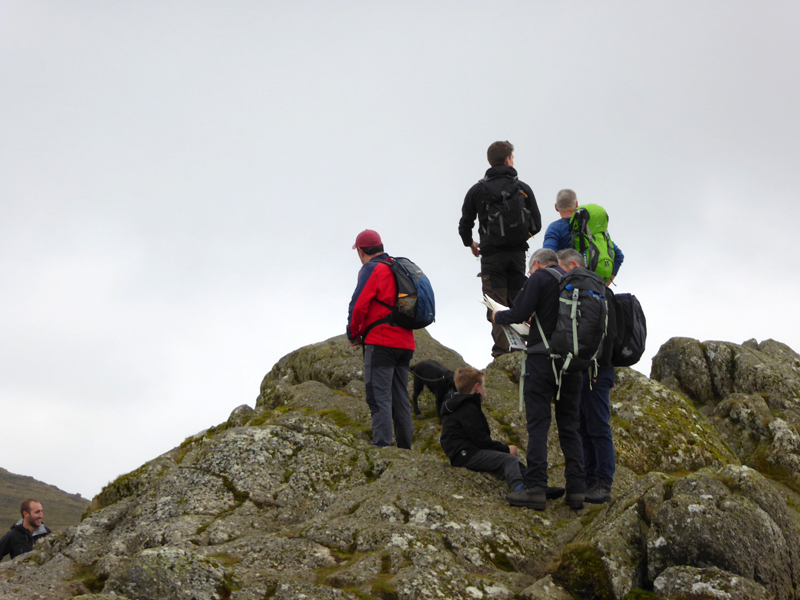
436	378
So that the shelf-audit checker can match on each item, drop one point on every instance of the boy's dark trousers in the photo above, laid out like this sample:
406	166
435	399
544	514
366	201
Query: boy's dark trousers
502	464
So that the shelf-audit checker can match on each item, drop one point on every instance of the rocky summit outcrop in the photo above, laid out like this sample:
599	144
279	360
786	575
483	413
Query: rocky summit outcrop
288	499
750	393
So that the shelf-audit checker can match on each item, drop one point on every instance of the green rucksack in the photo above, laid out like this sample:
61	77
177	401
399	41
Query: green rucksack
589	237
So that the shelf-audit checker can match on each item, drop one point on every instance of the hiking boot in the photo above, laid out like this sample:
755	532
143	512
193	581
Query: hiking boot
598	493
574	501
534	498
553	493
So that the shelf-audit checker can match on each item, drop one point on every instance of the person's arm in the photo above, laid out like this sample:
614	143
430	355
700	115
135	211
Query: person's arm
533	207
618	258
467	222
524	303
365	291
557	237
551	238
477	429
5	546
15	543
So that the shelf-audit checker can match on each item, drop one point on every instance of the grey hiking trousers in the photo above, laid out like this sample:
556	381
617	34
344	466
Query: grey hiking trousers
386	380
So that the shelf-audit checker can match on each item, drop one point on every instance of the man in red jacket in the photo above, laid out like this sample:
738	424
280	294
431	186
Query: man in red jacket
388	348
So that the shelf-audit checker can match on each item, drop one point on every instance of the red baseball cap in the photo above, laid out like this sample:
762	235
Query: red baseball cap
367	239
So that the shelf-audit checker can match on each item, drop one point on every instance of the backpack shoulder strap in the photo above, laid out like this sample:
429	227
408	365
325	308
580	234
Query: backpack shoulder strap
554	273
557	277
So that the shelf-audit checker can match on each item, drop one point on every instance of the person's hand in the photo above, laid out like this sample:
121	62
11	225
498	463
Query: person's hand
494	312
356	341
512	450
608	283
476	249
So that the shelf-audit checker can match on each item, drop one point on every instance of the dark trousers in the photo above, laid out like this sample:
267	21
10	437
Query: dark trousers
540	390
598	445
500	464
386	380
502	277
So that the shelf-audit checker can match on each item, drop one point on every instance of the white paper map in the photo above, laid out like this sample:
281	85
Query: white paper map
516	333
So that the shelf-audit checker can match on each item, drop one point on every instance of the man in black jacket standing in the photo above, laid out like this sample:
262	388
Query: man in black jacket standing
540	295
21	536
508	217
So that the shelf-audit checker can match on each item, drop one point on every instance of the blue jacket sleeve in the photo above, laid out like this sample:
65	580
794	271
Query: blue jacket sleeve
618	258
557	236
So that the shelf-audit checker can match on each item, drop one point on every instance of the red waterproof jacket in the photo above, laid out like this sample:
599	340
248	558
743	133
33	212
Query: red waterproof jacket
376	282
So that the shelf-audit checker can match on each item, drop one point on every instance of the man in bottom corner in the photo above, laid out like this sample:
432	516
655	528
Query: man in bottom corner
388	348
25	532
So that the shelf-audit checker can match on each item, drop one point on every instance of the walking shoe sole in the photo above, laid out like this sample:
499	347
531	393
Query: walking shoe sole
531	505
537	503
598	499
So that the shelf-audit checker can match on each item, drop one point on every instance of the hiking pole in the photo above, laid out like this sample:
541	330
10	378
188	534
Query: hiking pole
522	375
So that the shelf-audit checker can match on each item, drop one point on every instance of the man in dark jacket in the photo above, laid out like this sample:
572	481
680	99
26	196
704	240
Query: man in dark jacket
21	536
598	443
387	348
503	237
466	438
540	295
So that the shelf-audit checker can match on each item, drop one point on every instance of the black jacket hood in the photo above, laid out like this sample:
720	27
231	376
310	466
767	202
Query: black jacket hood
453	402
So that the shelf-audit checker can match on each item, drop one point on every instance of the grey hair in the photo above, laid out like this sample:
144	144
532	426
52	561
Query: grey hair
544	256
566	199
569	255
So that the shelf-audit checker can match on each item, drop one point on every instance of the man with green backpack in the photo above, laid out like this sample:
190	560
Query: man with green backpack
584	229
583	232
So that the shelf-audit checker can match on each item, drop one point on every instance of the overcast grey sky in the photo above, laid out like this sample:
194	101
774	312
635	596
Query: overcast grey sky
181	184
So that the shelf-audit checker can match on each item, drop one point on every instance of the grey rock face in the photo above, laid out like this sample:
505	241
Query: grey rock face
751	393
618	536
732	520
545	589
169	573
656	429
290	500
710	371
682	366
709	582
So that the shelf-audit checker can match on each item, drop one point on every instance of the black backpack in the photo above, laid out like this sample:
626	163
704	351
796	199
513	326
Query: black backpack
582	322
631	330
508	220
415	306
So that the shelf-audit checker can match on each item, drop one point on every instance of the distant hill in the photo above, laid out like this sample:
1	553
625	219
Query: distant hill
61	510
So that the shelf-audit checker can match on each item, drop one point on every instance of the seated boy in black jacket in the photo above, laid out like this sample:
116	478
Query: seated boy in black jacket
466	438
